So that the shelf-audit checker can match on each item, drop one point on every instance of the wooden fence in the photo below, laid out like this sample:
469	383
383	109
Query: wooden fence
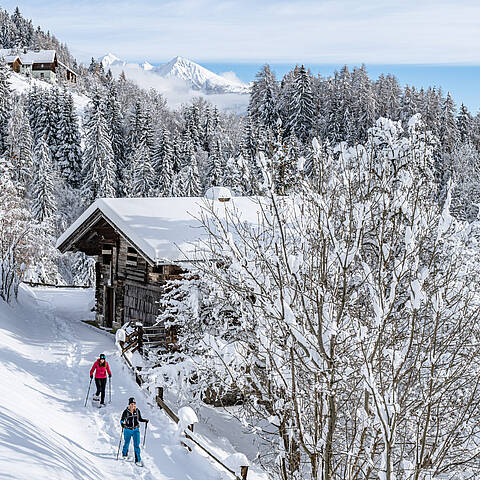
141	338
36	284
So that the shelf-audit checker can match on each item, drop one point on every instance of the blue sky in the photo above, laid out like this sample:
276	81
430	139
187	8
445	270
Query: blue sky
334	31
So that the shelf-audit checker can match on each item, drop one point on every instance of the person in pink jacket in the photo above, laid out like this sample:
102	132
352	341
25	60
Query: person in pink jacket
101	368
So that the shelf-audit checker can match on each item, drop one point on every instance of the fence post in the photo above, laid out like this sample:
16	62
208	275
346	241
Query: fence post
244	472
140	337
138	377
159	395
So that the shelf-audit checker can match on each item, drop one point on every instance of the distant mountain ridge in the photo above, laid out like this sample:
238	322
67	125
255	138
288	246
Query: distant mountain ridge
181	68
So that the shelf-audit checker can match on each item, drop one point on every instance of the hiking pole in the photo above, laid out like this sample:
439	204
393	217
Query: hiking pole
120	442
88	391
145	434
110	388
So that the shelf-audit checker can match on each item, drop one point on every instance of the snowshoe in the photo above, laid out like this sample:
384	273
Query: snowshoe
139	464
96	401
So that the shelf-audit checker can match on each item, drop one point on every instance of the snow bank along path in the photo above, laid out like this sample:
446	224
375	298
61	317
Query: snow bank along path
46	432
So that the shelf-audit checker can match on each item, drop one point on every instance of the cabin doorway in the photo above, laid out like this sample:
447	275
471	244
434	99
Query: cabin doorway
109	307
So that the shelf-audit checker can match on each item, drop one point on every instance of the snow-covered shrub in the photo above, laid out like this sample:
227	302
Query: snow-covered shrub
204	323
346	317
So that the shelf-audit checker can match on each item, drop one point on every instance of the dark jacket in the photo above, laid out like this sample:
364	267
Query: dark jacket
130	420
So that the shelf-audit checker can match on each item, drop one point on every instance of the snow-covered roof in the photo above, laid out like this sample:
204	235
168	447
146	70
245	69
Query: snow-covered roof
42	56
8	55
166	229
218	193
67	68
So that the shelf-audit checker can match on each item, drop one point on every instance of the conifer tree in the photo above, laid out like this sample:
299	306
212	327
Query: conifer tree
286	94
409	105
137	125
5	104
187	150
43	200
248	147
98	168
69	153
464	122
177	187
302	106
191	178
214	167
163	164
388	95
364	107
263	106
448	130
41	115
176	150
165	178
142	172
20	144
55	119
114	119
31	108
236	175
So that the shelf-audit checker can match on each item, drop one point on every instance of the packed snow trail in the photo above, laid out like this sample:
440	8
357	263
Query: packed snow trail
47	433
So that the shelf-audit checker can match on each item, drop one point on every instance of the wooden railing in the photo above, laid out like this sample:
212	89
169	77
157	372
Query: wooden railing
134	341
36	284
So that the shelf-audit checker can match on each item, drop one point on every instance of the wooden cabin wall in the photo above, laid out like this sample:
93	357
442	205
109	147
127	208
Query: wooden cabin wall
137	294
134	286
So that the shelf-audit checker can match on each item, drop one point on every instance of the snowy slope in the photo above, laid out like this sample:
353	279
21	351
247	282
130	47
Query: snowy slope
47	433
21	84
192	74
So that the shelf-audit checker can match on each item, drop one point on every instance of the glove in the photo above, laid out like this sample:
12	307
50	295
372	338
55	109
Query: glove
110	375
91	376
122	424
147	420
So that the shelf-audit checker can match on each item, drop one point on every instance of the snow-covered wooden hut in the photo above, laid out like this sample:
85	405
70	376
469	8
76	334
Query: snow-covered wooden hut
12	58
139	243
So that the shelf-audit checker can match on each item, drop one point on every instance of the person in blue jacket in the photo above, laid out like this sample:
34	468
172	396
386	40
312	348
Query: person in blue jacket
131	417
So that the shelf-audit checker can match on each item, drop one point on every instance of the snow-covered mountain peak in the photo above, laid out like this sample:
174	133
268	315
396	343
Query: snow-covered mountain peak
147	66
110	59
180	68
199	77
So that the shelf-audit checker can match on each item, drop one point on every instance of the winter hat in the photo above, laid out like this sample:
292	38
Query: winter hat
131	400
102	356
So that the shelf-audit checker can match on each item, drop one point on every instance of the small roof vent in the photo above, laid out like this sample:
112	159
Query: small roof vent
221	194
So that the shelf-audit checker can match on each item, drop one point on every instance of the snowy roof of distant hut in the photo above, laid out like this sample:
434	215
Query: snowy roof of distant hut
9	55
164	230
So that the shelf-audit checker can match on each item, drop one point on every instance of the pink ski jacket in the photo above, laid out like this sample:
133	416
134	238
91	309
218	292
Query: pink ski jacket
101	372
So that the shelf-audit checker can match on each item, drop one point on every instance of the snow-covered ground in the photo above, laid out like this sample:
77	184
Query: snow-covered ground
47	433
21	84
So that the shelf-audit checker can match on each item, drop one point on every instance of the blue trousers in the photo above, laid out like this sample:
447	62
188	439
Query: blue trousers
127	435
